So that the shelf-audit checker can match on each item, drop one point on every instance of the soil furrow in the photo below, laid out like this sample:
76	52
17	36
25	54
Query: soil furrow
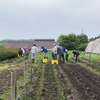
95	89
49	91
75	84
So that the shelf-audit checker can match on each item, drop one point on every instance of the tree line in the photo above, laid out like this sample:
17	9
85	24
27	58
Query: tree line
73	41
92	39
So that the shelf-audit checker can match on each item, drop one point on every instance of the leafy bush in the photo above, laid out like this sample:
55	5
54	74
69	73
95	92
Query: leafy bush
2	45
8	53
82	47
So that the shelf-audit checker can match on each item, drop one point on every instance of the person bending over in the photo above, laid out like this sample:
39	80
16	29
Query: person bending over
76	55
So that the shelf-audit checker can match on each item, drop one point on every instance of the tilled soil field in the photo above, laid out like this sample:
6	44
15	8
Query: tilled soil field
85	82
51	84
5	77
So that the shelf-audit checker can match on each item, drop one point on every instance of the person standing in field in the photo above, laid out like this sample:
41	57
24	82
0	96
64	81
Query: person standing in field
67	54
76	55
23	52
55	52
27	51
20	52
60	52
45	50
33	52
52	52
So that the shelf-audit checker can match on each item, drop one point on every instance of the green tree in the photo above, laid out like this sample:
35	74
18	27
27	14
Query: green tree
82	47
83	38
70	41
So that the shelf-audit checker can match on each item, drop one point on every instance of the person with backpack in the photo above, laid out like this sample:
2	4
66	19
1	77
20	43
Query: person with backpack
20	52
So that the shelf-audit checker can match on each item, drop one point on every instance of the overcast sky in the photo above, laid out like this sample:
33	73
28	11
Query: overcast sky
48	19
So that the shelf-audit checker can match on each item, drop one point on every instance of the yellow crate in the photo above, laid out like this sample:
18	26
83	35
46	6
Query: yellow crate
54	61
20	56
45	60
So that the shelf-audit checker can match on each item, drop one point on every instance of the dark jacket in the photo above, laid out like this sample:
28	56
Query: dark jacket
60	49
20	51
76	53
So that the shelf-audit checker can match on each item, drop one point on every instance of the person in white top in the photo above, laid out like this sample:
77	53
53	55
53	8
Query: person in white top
52	52
33	52
55	52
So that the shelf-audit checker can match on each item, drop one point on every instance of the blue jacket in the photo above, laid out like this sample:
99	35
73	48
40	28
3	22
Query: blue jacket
45	50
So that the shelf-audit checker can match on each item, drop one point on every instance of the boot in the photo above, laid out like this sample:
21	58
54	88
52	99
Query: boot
32	60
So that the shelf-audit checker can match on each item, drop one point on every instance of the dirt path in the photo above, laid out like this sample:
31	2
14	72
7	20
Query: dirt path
83	83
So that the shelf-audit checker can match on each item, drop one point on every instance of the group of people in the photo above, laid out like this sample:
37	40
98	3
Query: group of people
56	50
61	50
24	52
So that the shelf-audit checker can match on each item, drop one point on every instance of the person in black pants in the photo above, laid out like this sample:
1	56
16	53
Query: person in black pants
76	55
20	52
60	52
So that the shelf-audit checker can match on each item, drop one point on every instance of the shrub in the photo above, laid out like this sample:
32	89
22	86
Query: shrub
9	53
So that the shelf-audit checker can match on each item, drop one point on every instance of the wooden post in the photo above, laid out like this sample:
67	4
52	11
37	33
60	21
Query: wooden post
15	86
97	63
89	58
24	79
31	72
11	85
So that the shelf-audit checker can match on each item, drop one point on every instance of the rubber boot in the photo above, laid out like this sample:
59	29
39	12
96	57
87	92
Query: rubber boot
32	60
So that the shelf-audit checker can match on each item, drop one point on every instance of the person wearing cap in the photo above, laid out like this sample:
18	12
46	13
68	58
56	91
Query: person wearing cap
45	50
55	52
33	52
